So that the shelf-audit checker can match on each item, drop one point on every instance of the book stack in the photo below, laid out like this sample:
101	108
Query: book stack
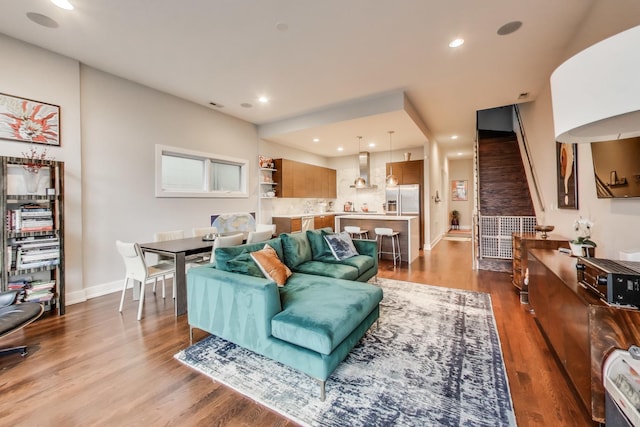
34	252
30	217
32	290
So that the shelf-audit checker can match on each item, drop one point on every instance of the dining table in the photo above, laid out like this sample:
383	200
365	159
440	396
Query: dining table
180	250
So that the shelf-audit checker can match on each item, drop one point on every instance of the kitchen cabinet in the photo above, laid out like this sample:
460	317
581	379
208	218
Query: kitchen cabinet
322	221
409	172
287	224
302	180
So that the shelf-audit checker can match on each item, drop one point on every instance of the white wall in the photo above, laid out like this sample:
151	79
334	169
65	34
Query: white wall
109	127
121	123
34	73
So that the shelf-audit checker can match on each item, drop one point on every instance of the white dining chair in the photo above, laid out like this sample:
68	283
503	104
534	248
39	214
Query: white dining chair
203	231
162	236
138	270
259	236
264	227
226	241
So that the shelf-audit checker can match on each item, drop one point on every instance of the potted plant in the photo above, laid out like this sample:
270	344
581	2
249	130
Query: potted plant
455	220
582	245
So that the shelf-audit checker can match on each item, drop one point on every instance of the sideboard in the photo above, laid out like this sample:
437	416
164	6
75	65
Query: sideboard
581	328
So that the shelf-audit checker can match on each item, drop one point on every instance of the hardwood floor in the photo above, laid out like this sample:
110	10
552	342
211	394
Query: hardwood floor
94	366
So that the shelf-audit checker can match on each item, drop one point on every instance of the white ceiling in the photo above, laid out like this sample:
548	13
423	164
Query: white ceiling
333	52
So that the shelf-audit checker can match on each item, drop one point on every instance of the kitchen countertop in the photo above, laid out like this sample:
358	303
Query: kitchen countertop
299	215
383	217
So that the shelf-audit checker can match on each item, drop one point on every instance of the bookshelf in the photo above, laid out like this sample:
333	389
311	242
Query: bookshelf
32	232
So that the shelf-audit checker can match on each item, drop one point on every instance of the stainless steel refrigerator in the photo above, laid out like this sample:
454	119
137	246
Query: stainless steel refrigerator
403	200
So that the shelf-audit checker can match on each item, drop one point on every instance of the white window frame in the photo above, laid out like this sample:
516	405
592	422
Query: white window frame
208	159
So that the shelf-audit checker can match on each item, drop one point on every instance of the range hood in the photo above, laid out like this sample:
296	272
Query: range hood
365	170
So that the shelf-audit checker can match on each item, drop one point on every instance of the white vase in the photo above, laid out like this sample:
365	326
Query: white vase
31	180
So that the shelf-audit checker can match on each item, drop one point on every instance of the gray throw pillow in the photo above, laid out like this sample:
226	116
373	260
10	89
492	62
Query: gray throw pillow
341	245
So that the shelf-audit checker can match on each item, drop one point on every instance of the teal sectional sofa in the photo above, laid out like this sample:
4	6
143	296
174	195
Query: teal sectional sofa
311	323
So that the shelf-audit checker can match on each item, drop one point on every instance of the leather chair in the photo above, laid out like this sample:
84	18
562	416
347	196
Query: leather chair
16	316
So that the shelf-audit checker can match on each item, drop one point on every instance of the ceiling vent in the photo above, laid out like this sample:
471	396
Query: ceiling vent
365	170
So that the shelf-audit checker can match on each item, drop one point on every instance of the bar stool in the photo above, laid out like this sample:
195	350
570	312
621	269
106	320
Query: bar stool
356	232
381	233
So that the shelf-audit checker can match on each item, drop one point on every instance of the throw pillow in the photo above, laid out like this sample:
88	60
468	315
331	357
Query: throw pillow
271	266
341	245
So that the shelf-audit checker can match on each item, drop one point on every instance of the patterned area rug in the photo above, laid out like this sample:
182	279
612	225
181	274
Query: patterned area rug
434	360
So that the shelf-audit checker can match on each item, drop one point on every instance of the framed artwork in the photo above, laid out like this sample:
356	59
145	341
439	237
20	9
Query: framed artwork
567	176
26	120
459	190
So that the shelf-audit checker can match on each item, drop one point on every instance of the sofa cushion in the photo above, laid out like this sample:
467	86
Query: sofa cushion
243	264
296	249
319	246
341	245
270	265
334	269
318	313
234	254
362	262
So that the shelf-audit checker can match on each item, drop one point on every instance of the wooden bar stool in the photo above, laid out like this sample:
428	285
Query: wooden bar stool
356	232
381	233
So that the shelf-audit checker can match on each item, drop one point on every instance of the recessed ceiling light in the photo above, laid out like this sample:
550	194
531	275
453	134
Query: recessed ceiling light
246	105
509	27
459	154
372	144
316	139
43	20
340	148
456	43
454	136
263	100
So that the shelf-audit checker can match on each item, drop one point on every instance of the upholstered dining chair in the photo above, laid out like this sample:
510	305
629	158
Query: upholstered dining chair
259	236
264	227
138	270
203	231
162	236
226	241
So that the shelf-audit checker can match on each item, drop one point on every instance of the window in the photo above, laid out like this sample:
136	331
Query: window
185	173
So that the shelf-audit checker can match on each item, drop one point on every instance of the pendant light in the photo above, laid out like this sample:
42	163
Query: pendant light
360	182
391	180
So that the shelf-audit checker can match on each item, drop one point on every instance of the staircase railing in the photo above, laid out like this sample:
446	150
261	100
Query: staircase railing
525	144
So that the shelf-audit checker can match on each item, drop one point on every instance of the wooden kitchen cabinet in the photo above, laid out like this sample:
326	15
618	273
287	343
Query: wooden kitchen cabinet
409	172
287	224
322	221
302	180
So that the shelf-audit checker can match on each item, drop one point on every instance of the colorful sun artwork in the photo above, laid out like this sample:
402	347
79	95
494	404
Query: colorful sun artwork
29	121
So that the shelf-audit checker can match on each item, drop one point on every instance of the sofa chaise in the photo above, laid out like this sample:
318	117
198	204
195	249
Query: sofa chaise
311	323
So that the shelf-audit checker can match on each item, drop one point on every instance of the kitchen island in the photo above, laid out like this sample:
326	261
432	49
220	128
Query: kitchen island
407	226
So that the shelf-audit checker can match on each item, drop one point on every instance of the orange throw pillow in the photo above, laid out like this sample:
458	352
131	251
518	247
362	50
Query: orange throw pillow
271	266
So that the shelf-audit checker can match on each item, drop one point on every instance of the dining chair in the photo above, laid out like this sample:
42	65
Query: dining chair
138	270
263	227
203	231
226	241
259	236
162	236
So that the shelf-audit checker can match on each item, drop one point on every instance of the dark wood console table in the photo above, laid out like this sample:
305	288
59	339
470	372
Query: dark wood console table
581	328
522	242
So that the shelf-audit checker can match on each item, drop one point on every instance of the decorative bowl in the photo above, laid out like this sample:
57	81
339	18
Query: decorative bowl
544	229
